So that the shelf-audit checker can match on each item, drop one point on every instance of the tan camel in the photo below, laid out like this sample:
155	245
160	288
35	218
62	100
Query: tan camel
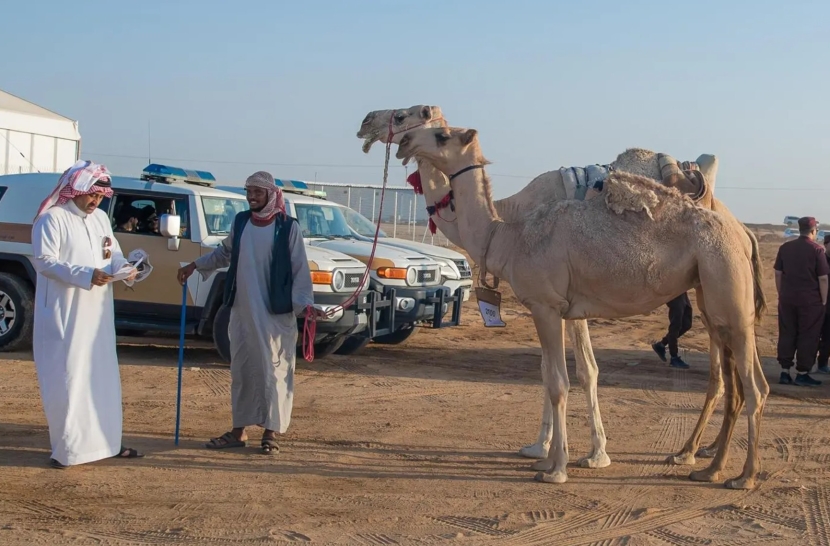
664	245
380	125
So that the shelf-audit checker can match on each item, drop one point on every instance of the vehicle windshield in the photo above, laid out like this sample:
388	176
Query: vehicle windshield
361	224
322	220
220	212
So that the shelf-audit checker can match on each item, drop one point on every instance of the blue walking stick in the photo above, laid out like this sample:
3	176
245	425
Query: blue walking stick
181	361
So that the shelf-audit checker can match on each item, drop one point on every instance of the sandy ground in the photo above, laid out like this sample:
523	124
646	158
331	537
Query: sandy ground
418	444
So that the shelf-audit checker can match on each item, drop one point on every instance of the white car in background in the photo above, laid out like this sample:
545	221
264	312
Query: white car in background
455	269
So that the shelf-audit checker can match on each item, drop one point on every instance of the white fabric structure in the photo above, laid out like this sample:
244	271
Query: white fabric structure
34	139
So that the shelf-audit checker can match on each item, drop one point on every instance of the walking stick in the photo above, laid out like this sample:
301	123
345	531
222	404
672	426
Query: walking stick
181	360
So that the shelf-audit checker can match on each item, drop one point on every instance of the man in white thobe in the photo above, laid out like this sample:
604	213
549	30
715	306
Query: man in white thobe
75	256
267	287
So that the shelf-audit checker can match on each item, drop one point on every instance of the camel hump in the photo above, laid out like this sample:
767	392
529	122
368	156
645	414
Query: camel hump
685	176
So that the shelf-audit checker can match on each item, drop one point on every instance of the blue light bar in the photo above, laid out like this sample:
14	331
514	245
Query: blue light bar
166	173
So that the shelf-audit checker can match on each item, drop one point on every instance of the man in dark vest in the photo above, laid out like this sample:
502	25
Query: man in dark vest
801	271
267	287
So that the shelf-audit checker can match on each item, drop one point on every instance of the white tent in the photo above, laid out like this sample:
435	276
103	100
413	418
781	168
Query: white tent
34	139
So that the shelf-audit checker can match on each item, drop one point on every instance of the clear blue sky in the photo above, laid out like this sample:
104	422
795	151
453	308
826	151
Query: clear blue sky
548	84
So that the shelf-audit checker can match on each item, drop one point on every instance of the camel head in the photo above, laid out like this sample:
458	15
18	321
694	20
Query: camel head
448	149
375	126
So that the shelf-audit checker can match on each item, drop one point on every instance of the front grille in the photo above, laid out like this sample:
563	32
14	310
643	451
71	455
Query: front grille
427	276
464	269
353	280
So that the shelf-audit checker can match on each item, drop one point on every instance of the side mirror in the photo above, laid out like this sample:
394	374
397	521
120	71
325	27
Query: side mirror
170	226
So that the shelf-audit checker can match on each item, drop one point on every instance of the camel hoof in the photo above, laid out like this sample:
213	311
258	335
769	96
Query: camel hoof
542	464
551	477
704	475
535	451
707	453
740	483
600	460
682	459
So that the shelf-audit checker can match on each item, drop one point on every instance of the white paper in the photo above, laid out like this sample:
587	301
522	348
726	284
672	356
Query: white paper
125	271
491	315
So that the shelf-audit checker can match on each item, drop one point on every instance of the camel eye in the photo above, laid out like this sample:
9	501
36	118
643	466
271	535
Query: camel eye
399	118
442	138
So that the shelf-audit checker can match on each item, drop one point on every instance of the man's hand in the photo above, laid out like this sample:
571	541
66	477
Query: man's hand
100	277
133	274
185	272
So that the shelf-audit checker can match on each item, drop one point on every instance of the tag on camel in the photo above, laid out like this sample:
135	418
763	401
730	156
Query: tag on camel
489	305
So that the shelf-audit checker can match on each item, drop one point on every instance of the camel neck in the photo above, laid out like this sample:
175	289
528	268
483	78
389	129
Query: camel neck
435	187
476	215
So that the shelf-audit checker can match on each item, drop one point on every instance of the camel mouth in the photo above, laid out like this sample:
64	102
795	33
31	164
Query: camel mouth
404	155
368	142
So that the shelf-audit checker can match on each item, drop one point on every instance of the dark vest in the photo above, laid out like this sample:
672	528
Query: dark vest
282	280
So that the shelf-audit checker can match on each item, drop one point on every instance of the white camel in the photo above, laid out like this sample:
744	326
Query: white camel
664	246
385	125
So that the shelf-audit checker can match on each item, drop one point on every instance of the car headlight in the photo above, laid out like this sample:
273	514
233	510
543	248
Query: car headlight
339	281
448	268
411	276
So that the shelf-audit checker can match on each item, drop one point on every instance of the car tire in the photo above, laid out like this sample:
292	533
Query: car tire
17	298
352	345
221	340
396	337
325	348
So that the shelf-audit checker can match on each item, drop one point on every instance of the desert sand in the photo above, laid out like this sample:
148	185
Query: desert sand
417	444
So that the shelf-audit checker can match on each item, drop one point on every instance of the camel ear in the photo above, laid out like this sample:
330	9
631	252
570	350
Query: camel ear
426	112
468	136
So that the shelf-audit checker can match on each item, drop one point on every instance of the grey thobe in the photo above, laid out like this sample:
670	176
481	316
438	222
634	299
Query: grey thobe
263	345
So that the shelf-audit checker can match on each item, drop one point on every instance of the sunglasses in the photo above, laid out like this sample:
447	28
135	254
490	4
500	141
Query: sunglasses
107	243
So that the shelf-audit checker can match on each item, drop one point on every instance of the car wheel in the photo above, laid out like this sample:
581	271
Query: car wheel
17	313
325	348
221	321
352	345
396	337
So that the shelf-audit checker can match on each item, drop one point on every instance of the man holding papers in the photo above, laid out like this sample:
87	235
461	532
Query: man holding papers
77	257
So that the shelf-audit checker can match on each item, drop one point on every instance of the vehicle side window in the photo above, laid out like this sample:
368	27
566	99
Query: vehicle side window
3	191
139	214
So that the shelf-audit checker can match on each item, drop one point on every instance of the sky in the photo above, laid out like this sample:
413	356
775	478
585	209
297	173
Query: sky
283	86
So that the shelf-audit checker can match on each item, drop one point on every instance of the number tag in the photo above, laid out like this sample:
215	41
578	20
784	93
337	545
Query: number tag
489	305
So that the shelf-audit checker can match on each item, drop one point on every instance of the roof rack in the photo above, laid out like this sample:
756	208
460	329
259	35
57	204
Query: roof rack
172	175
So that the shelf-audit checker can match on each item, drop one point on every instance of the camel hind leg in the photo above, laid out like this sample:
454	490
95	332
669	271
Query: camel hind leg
755	391
734	402
686	456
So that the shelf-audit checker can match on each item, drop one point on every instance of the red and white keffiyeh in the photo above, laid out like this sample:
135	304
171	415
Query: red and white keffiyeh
276	202
82	178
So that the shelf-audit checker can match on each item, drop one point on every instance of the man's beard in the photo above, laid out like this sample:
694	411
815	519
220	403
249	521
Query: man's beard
257	209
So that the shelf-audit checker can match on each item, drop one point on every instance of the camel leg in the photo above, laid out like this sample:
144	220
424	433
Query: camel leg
686	456
587	372
550	328
755	390
734	402
539	450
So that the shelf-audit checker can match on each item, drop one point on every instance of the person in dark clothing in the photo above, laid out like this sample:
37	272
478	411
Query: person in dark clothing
680	322
801	271
824	340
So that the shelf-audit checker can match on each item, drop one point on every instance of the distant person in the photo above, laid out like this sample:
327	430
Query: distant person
801	271
680	322
127	219
824	340
268	285
75	256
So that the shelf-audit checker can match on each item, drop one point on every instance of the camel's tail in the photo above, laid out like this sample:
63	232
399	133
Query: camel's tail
757	276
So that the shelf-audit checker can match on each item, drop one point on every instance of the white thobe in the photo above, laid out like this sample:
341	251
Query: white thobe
74	334
263	345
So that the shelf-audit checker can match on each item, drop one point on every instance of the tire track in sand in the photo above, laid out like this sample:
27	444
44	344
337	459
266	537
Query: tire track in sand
814	502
